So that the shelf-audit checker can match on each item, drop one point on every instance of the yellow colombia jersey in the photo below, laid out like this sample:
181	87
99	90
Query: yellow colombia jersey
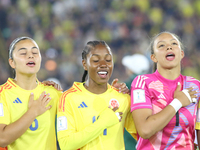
83	117
14	103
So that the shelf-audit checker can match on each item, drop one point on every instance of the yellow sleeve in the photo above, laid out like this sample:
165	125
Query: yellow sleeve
70	138
129	123
130	126
4	111
197	126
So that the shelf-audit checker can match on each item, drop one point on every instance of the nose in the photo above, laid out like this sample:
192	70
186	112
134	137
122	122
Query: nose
30	55
169	47
102	63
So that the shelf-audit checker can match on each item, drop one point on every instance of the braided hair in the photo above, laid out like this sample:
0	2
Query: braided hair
90	46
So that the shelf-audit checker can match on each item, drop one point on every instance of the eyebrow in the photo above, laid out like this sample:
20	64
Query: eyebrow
164	41
98	55
26	48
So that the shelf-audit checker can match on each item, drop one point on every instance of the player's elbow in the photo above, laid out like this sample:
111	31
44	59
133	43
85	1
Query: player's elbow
145	133
4	137
3	142
3	146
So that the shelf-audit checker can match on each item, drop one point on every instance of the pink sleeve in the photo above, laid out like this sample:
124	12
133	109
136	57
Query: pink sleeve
140	96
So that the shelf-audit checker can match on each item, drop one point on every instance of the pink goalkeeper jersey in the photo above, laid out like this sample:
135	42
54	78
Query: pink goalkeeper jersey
155	92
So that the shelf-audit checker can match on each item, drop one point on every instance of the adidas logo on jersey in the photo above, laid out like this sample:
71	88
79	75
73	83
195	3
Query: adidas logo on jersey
82	105
161	96
17	101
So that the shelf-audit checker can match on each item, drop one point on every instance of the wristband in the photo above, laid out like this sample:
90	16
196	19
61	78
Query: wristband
118	116
185	91
192	100
176	104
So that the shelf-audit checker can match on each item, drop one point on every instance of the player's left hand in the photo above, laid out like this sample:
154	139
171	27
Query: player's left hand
55	85
121	86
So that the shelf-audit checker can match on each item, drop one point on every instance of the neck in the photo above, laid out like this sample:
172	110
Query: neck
95	88
170	74
26	82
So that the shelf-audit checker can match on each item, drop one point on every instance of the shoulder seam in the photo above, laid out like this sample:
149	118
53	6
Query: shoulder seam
6	86
114	88
193	79
63	96
12	83
77	87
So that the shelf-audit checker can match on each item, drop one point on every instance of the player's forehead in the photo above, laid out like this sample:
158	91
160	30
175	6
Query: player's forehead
164	37
101	49
26	43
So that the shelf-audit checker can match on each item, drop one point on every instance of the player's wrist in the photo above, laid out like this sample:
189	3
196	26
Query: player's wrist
176	104
32	112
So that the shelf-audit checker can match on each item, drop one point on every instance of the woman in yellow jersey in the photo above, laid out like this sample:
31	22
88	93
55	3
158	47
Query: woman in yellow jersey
24	123
27	106
92	114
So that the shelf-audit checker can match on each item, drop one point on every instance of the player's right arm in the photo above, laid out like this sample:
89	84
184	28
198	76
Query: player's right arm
70	138
9	132
147	123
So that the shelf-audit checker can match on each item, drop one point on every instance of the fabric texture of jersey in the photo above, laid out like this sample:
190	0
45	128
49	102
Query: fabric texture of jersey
82	118
14	103
152	91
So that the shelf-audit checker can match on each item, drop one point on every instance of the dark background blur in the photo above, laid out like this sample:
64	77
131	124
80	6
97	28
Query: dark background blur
62	28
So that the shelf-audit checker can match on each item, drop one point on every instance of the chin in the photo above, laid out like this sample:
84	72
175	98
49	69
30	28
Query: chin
102	82
30	73
33	71
170	68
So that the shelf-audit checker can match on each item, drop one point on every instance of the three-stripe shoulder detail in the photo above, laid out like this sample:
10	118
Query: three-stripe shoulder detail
7	85
189	78
140	83
77	88
63	98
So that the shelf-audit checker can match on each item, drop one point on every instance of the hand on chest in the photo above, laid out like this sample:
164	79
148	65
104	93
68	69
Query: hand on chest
90	109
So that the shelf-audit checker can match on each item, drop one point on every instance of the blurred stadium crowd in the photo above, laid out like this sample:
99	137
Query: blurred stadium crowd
62	28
